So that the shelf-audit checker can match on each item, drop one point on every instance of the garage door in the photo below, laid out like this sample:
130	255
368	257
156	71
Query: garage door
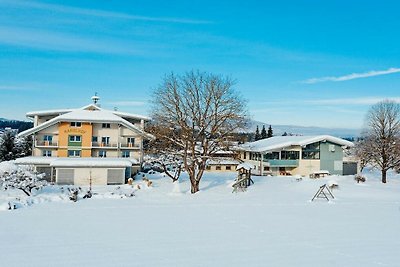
65	176
115	176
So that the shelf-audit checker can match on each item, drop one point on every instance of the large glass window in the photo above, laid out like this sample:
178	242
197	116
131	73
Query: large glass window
271	155
311	151
290	154
126	154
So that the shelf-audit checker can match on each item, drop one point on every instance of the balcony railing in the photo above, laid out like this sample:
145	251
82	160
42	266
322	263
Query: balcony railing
284	162
46	143
100	144
129	145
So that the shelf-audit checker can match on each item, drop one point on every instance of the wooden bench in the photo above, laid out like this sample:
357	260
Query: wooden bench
319	174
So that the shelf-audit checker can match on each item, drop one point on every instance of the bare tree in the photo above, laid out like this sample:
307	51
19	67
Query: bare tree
196	113
381	144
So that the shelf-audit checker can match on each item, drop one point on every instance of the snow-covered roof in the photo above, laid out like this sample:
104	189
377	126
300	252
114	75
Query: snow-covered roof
31	114
77	162
280	142
57	112
34	160
93	162
90	113
244	165
223	161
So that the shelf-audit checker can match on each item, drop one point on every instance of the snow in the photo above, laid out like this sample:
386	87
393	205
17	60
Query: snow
273	223
280	142
31	160
245	165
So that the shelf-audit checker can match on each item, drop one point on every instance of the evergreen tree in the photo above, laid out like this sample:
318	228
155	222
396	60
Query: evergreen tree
284	134
263	133
270	132
12	147
257	136
7	145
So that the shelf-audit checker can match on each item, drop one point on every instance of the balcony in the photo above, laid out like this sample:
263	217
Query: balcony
284	162
104	145
46	144
129	146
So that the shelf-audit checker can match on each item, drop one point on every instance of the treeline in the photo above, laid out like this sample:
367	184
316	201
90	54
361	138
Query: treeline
17	125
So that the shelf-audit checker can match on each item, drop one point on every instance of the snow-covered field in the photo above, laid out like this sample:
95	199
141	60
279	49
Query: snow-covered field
274	223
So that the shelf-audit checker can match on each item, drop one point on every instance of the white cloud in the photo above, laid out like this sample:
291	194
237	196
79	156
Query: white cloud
352	76
97	13
57	41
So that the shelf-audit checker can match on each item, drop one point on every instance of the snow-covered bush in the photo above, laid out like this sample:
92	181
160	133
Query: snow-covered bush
23	179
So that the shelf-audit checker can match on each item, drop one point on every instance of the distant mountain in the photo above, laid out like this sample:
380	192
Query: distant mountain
303	130
14	124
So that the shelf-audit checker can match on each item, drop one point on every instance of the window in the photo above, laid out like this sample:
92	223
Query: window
291	155
311	151
272	155
48	138
244	155
131	141
255	156
266	168
218	167
46	153
94	139
208	167
106	125
76	124
74	153
75	138
126	154
105	140
102	154
228	168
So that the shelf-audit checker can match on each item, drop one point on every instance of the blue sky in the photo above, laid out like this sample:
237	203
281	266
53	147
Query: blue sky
309	63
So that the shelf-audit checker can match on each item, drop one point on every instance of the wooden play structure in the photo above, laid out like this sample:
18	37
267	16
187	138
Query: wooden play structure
243	179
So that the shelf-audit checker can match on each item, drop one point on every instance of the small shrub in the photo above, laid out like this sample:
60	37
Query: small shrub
359	178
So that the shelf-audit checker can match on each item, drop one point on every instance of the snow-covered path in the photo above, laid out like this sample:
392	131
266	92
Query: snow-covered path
274	223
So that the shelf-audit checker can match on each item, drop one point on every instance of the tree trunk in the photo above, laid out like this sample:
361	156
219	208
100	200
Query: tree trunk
194	185
384	176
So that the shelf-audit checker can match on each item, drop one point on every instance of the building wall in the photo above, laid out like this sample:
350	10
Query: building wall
98	175
65	130
213	168
307	166
331	158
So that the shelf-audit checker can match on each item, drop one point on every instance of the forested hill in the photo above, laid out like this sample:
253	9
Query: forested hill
14	124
